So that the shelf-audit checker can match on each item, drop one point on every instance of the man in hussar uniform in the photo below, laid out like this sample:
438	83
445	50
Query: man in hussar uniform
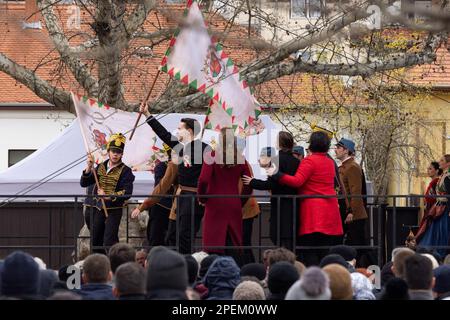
115	180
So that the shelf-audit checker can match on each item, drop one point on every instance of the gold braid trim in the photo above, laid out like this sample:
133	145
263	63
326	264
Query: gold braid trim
108	182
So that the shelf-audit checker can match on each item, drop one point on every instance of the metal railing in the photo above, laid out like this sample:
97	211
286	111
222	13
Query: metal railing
376	220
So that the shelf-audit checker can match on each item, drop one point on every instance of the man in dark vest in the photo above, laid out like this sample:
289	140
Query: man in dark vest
115	180
190	151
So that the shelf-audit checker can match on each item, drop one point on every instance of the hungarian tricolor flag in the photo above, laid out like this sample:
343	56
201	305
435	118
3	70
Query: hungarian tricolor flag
197	60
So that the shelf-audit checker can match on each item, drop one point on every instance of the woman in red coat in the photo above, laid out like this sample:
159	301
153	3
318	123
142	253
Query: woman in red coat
222	222
319	219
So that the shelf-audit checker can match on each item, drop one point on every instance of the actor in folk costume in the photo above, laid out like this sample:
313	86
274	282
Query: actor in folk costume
190	151
159	206
287	163
353	180
220	176
115	179
434	172
436	230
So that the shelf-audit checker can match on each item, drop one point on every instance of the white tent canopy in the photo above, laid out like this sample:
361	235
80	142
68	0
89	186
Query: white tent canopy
56	168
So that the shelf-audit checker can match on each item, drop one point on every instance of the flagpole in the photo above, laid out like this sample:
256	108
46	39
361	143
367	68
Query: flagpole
145	102
86	145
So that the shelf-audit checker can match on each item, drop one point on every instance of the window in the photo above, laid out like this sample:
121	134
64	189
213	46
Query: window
15	156
306	8
417	6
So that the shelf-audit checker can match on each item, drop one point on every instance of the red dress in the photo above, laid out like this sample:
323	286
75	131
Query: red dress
222	215
315	176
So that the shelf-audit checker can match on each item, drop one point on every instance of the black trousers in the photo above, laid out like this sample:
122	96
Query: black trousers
356	233
184	217
157	225
104	230
171	236
312	257
356	236
247	230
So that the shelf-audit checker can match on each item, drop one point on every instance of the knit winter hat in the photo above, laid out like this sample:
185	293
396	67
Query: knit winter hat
167	270
333	258
254	269
346	252
442	276
340	282
20	275
282	276
192	268
314	284
249	290
395	289
199	256
206	263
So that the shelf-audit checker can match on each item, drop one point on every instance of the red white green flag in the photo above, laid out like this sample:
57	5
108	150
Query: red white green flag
197	60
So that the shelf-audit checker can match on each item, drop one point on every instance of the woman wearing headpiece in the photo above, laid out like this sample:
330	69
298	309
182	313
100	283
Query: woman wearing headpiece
436	230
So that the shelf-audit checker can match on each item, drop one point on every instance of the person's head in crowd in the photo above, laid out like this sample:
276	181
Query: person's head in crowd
285	141
314	284
97	269
282	275
333	259
298	152
192	268
48	279
199	256
167	275
395	289
433	170
346	252
222	278
446	260
386	273
254	269
141	256
205	264
65	295
188	129
340	282
300	267
418	274
399	255
433	260
344	148
42	265
153	251
319	142
249	290
431	252
362	287
281	254
441	287
63	275
121	253
20	276
129	281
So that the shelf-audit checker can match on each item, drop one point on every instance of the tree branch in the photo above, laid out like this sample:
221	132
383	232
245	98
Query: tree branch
59	98
60	41
138	17
314	37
